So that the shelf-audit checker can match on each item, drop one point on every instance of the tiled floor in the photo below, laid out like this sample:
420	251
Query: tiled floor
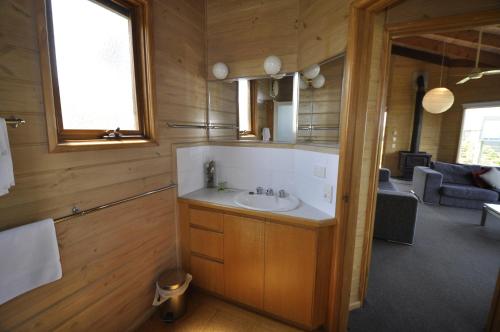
206	313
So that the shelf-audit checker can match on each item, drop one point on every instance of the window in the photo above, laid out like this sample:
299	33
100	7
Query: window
96	72
480	136
244	106
247	104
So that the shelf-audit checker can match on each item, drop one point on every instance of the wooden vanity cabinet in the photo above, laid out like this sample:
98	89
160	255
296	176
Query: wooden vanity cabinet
290	272
275	267
244	260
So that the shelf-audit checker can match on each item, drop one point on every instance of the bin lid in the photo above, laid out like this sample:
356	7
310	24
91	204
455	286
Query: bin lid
172	279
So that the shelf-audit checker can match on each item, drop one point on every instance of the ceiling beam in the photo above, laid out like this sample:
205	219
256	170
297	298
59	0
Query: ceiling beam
486	59
429	57
469	38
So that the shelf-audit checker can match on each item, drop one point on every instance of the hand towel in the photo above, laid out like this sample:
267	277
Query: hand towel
29	258
6	168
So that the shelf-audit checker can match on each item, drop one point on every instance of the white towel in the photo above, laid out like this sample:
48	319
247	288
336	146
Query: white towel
6	168
29	258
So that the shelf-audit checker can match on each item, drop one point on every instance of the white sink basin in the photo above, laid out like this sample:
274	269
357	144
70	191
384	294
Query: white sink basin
266	203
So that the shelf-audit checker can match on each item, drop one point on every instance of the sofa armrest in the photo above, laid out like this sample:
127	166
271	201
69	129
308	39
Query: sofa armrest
426	184
384	174
396	216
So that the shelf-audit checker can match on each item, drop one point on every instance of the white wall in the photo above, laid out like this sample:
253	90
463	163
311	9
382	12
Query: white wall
250	167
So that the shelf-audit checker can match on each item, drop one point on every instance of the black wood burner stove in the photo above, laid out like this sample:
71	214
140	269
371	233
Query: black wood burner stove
409	159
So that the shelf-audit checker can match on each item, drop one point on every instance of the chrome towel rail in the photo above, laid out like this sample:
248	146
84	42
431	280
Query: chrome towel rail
77	212
312	127
15	122
201	125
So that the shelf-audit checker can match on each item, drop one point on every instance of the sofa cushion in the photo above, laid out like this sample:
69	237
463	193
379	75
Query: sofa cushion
469	192
478	181
456	173
492	177
386	185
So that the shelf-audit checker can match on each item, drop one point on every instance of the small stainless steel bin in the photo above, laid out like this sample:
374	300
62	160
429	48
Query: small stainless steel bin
174	307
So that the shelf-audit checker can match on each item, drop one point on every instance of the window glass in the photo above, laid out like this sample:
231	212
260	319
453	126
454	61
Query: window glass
244	111
480	137
93	47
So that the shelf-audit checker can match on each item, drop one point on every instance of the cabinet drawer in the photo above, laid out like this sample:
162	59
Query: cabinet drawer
207	219
208	274
207	243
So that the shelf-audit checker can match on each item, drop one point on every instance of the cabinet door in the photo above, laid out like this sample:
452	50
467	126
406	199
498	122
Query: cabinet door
244	260
290	263
208	274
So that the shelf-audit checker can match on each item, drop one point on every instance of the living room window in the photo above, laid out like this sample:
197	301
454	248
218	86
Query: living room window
96	72
480	135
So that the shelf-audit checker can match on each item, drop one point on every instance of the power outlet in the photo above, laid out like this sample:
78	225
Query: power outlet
319	171
328	193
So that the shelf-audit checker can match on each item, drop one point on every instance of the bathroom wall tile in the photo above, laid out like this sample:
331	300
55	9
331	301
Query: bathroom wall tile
251	167
310	190
283	180
190	162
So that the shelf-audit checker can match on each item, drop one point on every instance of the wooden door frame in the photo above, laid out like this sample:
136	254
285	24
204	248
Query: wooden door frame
352	138
392	31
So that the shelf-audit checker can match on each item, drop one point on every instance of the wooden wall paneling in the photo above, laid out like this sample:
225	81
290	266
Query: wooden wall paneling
400	109
110	258
243	33
323	30
99	252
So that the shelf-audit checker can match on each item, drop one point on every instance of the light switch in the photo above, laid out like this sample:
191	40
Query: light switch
328	193
320	171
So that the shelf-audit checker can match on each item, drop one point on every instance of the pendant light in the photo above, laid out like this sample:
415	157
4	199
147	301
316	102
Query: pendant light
438	100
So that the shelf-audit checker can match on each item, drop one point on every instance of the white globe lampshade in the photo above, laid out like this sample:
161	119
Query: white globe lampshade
272	65
302	84
311	72
220	70
438	100
318	81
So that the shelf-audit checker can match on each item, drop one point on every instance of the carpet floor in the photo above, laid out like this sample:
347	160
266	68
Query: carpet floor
444	282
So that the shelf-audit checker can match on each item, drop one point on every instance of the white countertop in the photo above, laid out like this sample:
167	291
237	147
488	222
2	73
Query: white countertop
226	198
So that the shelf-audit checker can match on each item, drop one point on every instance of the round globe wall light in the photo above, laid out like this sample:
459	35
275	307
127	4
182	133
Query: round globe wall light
220	70
438	100
272	65
311	72
318	81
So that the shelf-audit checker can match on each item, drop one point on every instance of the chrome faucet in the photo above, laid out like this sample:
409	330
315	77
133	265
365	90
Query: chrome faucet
282	193
270	192
259	190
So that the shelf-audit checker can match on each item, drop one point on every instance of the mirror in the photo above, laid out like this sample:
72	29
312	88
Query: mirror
319	107
291	109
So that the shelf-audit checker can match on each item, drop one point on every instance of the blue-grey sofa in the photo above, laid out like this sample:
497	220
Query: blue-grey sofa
396	212
452	185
